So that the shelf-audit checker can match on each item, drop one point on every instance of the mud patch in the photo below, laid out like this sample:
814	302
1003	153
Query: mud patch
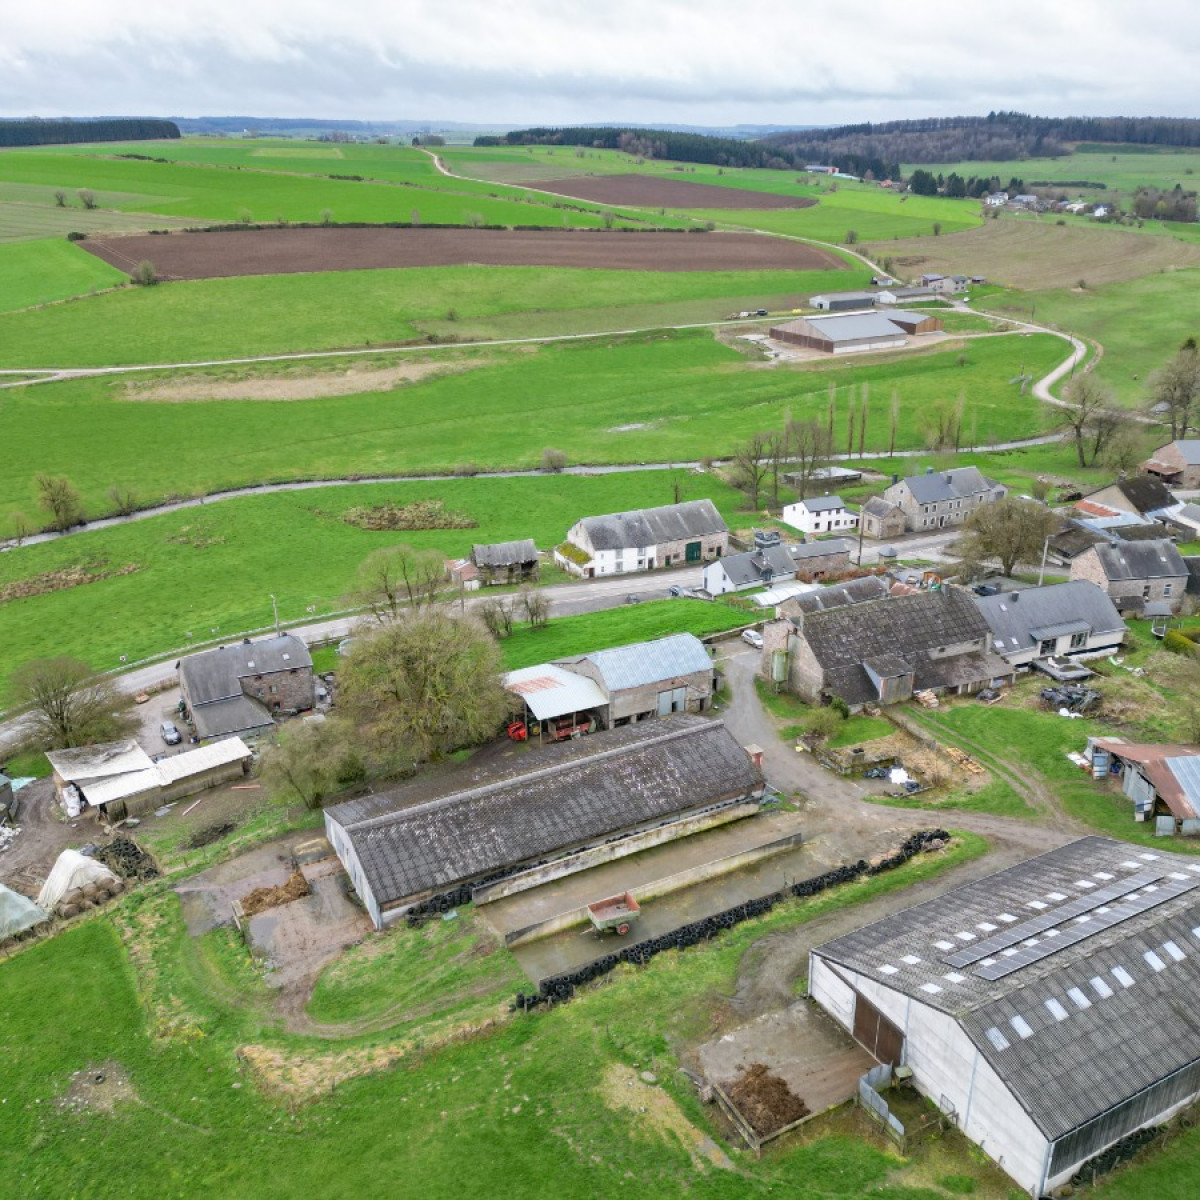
307	385
209	834
90	571
99	1088
423	514
657	1111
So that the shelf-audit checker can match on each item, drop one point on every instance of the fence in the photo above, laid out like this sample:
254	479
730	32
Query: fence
870	1087
755	1141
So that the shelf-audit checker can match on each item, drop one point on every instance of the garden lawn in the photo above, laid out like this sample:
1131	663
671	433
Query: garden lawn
617	627
210	572
203	319
664	397
40	272
1140	323
538	1104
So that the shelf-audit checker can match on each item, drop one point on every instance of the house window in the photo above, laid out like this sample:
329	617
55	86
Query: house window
1166	589
1078	641
1146	591
1048	646
273	689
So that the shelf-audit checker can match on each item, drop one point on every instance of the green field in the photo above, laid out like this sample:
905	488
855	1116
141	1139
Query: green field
1140	323
279	314
221	1100
661	397
42	272
210	571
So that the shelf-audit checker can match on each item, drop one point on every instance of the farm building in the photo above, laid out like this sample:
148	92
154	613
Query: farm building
564	809
1177	463
1145	496
119	779
240	689
940	498
1134	573
1163	781
843	301
1071	620
553	703
1186	519
881	519
820	514
914	323
463	574
882	651
646	538
836	595
1044	1009
506	562
819	560
845	334
905	295
944	285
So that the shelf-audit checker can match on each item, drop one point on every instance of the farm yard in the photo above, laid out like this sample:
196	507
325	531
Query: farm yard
284	251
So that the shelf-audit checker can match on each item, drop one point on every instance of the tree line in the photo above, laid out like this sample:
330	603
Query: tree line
34	131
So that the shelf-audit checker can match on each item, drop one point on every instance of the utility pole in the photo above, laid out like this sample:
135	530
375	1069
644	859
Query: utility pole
275	606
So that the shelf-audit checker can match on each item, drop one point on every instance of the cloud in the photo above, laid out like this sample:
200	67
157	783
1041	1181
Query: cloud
702	61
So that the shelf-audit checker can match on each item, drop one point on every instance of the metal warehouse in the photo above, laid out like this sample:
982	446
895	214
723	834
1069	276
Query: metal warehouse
559	810
1048	1010
841	334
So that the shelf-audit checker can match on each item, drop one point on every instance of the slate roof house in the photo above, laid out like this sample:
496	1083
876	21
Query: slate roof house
1046	1009
940	498
882	651
1069	619
1177	463
646	538
820	514
773	563
563	809
242	688
1134	573
881	519
506	562
1144	496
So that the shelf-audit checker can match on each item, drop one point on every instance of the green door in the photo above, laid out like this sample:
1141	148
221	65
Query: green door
692	552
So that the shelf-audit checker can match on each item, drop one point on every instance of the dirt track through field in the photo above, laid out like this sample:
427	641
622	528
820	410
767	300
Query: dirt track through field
293	251
647	191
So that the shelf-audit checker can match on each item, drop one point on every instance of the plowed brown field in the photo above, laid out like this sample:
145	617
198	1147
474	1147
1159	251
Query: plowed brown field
645	191
289	251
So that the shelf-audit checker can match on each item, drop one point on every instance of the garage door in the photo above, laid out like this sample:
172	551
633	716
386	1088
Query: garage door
876	1033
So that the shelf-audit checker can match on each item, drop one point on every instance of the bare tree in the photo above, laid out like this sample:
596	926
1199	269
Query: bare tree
850	418
1009	530
1092	420
394	578
535	606
751	462
68	704
1175	390
862	417
778	448
19	523
124	499
497	616
59	498
810	447
87	197
424	685
893	421
60	198
313	761
144	274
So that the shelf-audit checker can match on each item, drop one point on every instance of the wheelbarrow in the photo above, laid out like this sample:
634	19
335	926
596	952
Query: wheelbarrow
614	915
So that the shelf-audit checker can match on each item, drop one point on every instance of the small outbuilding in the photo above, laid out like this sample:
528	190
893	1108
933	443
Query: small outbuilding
881	519
914	323
506	562
843	301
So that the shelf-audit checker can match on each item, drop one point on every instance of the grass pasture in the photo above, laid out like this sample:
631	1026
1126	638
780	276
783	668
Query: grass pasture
41	272
694	397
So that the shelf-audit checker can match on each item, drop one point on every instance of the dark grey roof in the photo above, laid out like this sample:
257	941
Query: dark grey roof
955	484
868	297
505	554
1092	1040
1140	560
650	662
817	549
888	666
877	506
816	504
841	639
852	591
465	825
215	674
238	714
908	320
1147	493
1137	533
1190	512
650	526
1019	620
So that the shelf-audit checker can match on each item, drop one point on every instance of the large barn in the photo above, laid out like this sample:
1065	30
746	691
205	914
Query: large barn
1049	1010
841	334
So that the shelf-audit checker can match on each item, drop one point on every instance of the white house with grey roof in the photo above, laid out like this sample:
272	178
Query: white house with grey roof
564	809
939	499
643	539
1071	620
820	514
1046	1009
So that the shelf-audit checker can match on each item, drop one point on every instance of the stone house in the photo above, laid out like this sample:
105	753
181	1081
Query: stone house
644	539
1177	463
820	514
1143	496
1135	574
939	499
506	562
776	563
881	651
242	688
881	519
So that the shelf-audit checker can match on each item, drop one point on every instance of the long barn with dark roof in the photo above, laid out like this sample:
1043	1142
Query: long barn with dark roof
1048	1010
613	790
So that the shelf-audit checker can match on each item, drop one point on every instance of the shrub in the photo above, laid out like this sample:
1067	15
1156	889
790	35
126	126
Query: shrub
553	460
144	274
1177	643
840	707
73	236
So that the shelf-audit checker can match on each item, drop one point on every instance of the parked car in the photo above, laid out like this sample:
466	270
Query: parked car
752	638
170	733
633	598
674	590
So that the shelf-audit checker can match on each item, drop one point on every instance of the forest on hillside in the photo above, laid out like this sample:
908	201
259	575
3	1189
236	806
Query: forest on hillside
34	131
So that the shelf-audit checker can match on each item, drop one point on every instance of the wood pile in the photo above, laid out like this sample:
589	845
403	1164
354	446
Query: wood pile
926	699
964	760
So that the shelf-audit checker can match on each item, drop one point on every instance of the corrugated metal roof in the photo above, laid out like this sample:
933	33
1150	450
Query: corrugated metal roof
648	662
856	327
1115	1040
201	759
105	760
550	691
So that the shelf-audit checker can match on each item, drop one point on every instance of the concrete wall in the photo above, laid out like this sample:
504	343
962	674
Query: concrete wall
344	849
643	701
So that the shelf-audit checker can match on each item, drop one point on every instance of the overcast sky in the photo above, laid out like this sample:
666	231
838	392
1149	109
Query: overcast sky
702	62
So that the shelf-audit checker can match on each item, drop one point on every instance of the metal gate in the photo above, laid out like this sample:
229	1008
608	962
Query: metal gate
875	1033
